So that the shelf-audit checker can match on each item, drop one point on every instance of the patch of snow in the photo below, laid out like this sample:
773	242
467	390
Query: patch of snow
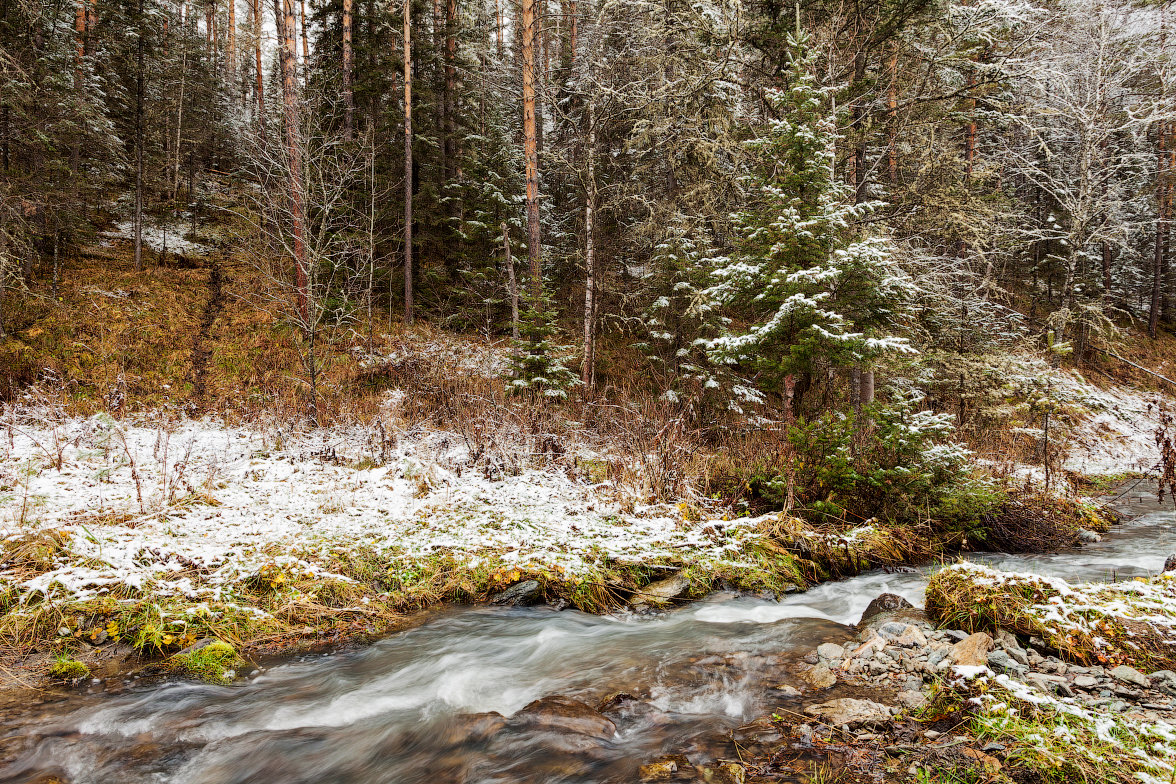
194	507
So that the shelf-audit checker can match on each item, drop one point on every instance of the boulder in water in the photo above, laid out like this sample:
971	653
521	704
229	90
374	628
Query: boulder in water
1170	564
665	768
521	594
887	602
565	715
661	592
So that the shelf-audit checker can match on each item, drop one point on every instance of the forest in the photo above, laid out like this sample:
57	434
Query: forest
728	391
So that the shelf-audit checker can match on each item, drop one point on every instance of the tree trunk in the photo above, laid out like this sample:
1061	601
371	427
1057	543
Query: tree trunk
859	118
867	387
79	78
498	26
514	285
1157	288
305	39
970	130
892	120
348	65
257	65
450	98
289	70
572	31
139	95
408	162
231	42
530	150
588	365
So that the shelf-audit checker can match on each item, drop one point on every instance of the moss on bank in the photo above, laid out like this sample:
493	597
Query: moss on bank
1045	739
67	668
216	662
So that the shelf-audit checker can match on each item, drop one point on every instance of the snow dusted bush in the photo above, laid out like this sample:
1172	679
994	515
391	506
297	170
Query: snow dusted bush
895	462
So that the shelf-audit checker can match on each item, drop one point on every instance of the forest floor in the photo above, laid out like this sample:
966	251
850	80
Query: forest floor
159	486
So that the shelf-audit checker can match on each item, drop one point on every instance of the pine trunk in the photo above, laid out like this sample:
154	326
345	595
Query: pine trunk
289	71
531	150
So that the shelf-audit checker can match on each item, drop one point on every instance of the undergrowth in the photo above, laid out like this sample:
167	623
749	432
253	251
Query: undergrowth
1055	740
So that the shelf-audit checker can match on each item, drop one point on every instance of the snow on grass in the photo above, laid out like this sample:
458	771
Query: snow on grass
1102	431
481	358
1132	621
192	508
1057	734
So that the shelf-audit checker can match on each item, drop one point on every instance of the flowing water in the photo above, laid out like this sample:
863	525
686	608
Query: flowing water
413	708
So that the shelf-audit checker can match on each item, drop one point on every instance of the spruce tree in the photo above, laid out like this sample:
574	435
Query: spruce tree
807	282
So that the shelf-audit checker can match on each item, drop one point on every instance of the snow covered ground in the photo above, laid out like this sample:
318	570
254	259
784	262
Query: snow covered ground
1100	431
1118	432
147	505
157	237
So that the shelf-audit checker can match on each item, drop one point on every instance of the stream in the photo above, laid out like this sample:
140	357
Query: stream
406	709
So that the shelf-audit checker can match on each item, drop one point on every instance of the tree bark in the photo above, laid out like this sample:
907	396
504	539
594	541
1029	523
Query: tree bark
514	285
79	76
348	65
450	97
498	26
1157	288
530	150
892	120
859	117
231	42
288	65
139	96
305	39
588	364
257	66
408	315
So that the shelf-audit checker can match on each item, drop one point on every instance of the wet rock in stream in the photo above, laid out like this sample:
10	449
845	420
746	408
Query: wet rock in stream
564	715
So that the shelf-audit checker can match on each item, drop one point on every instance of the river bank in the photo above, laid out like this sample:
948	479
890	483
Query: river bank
130	543
522	694
1046	681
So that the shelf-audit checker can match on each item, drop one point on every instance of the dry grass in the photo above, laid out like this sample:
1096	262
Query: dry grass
1131	623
